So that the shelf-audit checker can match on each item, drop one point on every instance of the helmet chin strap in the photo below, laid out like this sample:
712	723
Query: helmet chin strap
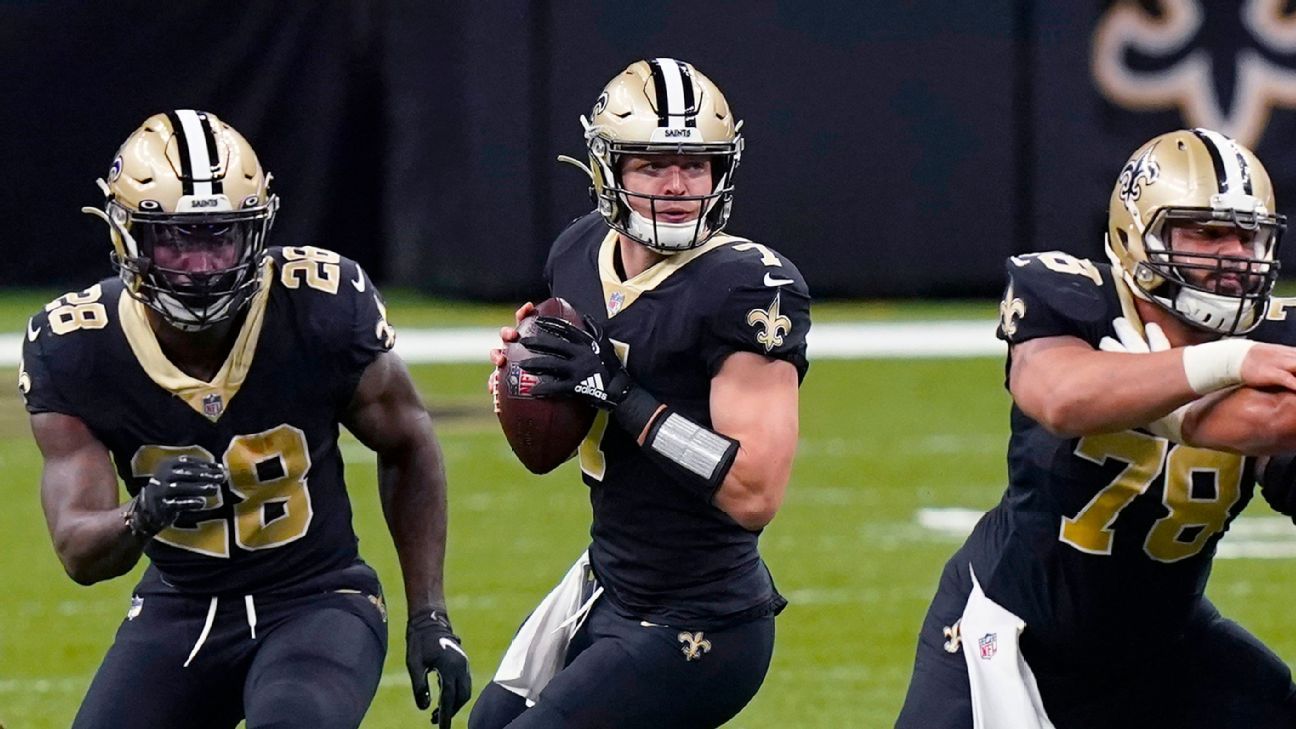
185	320
1227	315
666	238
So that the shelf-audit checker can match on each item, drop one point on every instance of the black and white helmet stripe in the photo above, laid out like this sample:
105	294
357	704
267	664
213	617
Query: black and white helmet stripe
1231	168
197	147
676	102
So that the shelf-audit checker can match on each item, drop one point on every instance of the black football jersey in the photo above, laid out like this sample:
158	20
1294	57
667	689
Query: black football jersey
661	552
1102	541
270	415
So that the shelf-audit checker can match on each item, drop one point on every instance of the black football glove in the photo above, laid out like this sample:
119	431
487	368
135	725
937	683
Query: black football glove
573	362
180	484
431	645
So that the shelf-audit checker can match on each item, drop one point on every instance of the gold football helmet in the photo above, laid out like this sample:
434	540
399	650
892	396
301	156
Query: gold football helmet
662	106
188	209
1200	180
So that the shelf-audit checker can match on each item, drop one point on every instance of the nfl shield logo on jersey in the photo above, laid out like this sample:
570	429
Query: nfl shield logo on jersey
988	644
213	405
136	607
615	302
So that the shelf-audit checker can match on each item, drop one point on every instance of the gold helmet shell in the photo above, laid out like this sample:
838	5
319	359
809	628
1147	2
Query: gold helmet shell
662	106
1198	178
186	178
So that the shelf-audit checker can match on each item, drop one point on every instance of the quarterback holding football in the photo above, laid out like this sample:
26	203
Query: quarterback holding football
691	349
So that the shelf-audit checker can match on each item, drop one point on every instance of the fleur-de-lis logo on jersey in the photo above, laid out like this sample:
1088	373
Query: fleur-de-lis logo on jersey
954	636
1223	65
1010	310
694	645
770	325
385	333
24	380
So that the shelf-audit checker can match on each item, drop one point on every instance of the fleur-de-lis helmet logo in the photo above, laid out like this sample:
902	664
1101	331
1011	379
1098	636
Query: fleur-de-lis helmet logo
1225	66
1138	172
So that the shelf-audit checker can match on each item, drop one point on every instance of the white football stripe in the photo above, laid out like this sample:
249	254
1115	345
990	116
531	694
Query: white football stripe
835	340
670	72
196	141
1229	153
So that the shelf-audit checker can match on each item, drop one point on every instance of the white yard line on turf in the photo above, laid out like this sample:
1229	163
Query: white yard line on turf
830	340
1249	537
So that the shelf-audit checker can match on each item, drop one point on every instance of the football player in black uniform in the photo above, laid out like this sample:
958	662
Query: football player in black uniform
693	350
1079	600
211	376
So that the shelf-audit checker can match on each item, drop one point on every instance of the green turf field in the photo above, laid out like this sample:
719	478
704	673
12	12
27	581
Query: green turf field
879	440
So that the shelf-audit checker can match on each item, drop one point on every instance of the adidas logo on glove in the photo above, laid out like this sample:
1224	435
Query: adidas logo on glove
592	386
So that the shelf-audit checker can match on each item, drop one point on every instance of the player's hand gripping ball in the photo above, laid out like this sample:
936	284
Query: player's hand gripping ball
542	431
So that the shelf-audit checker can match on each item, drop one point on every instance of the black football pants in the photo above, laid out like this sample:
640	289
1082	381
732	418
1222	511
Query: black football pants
622	673
315	661
1215	675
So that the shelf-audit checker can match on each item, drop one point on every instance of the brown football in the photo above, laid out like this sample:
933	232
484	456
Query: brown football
543	432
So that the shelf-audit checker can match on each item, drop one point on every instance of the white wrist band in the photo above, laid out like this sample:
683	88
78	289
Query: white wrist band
1215	365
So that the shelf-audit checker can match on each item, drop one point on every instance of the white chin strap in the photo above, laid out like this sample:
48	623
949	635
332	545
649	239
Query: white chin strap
184	319
1215	312
666	237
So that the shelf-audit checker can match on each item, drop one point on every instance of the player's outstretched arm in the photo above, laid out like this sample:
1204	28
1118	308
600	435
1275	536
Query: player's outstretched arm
79	496
1245	420
754	400
387	415
1258	419
1073	389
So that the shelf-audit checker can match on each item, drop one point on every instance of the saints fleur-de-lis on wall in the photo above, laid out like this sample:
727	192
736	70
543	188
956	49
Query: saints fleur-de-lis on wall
1224	65
1010	310
694	645
770	324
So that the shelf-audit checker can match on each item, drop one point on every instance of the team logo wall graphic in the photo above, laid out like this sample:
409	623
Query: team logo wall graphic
1224	65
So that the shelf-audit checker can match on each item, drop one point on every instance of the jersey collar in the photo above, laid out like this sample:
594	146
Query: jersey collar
618	295
209	399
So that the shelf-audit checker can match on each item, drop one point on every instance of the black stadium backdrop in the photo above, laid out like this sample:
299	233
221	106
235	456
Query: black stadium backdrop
894	147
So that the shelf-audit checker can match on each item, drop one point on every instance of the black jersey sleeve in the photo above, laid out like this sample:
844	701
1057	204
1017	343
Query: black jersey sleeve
59	350
370	334
1279	324
1054	294
757	308
38	373
337	304
576	233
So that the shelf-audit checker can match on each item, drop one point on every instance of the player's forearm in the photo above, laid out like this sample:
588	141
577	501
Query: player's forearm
1247	421
412	487
747	483
1082	393
753	490
96	545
